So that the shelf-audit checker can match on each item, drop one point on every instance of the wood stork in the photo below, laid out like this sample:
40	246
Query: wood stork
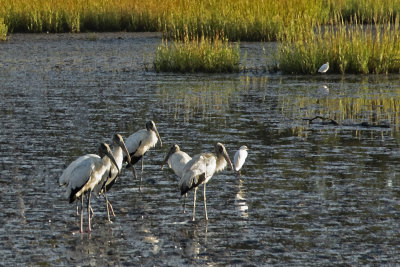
83	174
177	160
239	158
200	169
324	68
140	142
108	181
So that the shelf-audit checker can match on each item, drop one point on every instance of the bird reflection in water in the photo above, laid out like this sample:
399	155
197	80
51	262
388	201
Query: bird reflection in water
240	201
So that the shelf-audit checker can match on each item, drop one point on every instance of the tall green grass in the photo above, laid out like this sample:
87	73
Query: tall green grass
251	20
3	30
197	55
349	48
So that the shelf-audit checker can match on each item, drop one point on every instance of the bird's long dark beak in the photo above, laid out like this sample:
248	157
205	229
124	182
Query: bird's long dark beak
158	135
226	156
110	155
166	159
128	157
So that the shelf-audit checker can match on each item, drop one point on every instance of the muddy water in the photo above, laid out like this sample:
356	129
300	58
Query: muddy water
310	194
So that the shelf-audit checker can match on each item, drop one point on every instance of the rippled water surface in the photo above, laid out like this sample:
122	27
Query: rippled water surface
310	194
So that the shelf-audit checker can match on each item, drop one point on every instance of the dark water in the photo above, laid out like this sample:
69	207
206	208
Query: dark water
309	194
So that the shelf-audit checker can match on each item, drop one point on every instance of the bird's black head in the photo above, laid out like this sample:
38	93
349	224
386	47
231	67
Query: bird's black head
150	125
174	148
219	148
117	138
104	149
221	151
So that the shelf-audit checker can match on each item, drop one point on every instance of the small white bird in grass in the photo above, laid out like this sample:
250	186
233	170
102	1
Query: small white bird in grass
177	160
140	142
239	158
83	174
324	68
200	169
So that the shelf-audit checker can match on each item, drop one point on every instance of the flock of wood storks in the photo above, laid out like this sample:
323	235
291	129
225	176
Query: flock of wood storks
98	173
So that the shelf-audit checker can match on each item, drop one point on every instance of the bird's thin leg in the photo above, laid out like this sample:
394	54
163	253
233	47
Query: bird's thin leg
108	211
88	209
111	208
134	172
141	176
194	203
81	214
240	174
92	213
77	208
184	203
205	201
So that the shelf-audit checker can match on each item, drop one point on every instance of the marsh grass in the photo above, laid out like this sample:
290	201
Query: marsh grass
246	20
198	54
349	48
3	30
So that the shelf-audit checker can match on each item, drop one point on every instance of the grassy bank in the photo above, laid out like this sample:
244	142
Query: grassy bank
235	19
197	55
349	48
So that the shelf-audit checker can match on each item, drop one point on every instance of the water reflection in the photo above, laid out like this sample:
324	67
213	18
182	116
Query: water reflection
311	192
240	200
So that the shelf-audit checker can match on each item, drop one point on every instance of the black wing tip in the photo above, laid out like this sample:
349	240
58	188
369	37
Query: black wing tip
72	198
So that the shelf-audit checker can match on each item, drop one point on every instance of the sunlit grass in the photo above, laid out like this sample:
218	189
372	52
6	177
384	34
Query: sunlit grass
3	30
349	48
249	20
197	55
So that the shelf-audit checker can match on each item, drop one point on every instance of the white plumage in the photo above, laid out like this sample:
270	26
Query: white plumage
177	160
108	181
200	169
83	174
239	158
140	142
324	68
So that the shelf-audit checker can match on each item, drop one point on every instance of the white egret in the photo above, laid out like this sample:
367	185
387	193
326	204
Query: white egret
177	160
83	174
140	142
239	158
108	181
324	68
200	169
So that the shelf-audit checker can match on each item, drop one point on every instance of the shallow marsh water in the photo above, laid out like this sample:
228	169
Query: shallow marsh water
310	194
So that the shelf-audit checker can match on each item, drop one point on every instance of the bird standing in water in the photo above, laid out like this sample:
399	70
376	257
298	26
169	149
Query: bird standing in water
83	174
200	169
108	180
324	68
139	143
239	158
177	160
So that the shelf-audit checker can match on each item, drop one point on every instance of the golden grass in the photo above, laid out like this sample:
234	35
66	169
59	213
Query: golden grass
252	20
349	48
3	30
197	55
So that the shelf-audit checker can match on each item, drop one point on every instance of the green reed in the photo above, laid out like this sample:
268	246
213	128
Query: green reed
348	47
198	54
3	30
250	20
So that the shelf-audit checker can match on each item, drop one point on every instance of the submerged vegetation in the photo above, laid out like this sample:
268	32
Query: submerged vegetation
197	55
